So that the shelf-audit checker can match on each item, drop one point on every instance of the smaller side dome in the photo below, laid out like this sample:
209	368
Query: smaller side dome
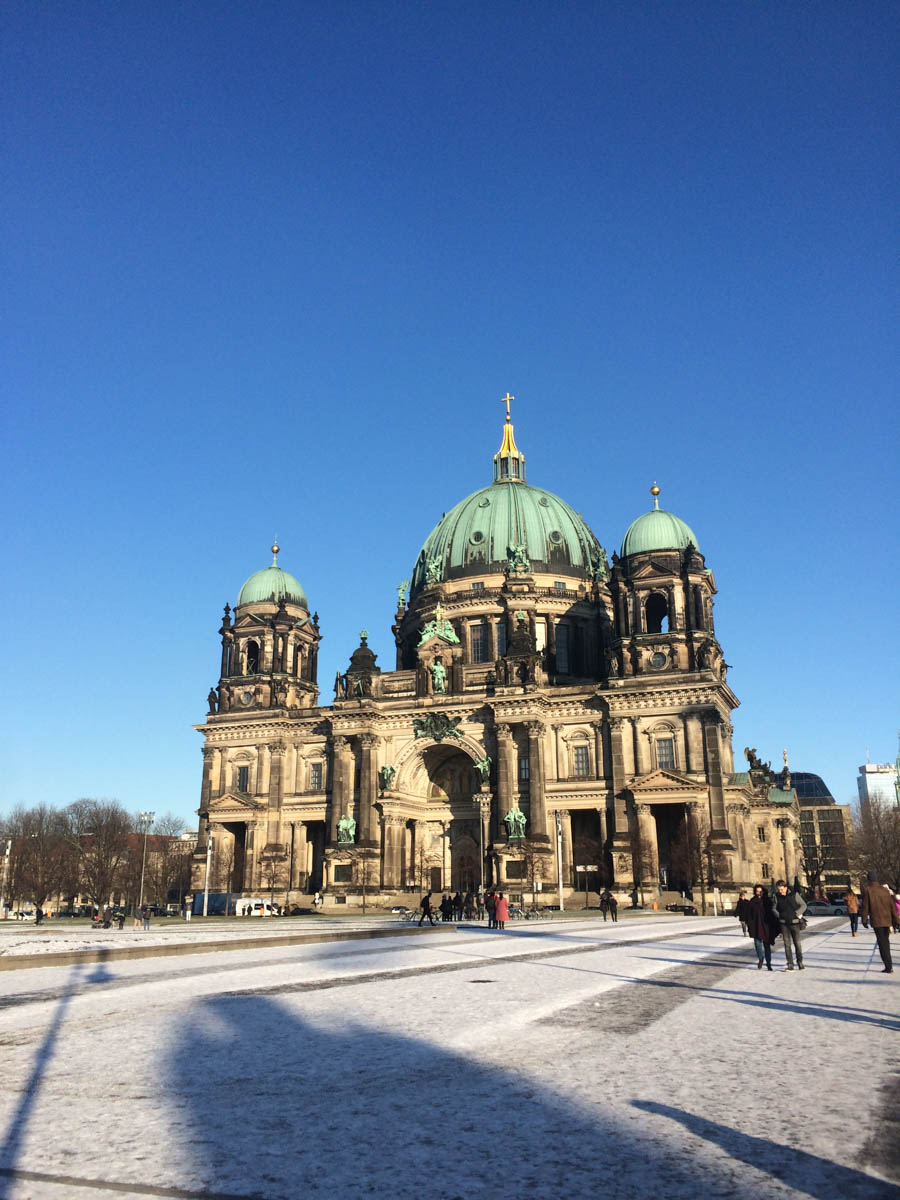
657	530
271	585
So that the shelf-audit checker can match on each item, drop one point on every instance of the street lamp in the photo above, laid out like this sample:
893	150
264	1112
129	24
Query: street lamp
209	850
146	819
559	858
5	878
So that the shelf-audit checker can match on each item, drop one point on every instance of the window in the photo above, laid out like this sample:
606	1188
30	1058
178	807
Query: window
524	767
765	871
478	586
343	872
315	777
582	760
665	753
559	585
515	869
761	833
562	649
540	636
243	779
501	639
656	613
480	646
252	658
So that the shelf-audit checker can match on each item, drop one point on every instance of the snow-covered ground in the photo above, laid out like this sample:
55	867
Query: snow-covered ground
573	1060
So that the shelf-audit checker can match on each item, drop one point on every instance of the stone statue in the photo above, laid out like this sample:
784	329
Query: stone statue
212	700
599	564
346	830
338	686
387	777
515	823
483	767
433	571
439	676
517	557
401	593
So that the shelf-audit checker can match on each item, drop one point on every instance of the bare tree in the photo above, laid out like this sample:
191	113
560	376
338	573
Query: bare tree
99	832
273	874
696	857
425	860
875	844
40	860
537	863
366	871
639	857
588	852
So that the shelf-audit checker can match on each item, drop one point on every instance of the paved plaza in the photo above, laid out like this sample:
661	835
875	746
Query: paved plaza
555	1059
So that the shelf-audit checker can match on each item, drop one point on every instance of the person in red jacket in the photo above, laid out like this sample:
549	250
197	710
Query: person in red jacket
501	912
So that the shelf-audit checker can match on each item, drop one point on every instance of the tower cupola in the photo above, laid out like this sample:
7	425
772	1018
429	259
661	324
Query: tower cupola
509	461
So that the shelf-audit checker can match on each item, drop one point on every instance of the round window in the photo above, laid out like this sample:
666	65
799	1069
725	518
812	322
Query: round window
544	502
658	660
483	502
555	537
476	537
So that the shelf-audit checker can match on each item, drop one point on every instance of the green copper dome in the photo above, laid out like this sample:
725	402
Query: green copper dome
271	585
657	530
476	537
508	524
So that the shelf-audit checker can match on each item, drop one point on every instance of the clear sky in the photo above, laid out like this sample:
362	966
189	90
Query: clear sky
269	268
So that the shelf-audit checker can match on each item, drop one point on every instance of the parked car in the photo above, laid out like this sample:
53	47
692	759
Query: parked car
687	910
826	908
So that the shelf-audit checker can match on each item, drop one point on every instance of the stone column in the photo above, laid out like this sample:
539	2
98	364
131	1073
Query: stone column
506	774
341	765
206	787
568	857
393	850
599	766
649	842
536	781
560	745
276	793
636	746
368	789
617	754
604	832
714	772
301	856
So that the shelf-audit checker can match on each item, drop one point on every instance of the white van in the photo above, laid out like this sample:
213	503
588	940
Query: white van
256	908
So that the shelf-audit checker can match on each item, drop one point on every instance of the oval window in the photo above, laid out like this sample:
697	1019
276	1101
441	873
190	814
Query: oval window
476	537
483	502
544	502
555	537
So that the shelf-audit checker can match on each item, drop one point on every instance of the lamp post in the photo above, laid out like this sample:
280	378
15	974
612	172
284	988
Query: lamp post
146	819
209	849
559	876
5	878
484	811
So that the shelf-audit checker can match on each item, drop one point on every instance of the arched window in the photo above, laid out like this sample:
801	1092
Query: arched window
698	608
252	658
656	614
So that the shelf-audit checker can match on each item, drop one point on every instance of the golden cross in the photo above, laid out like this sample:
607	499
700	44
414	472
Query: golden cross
505	400
439	612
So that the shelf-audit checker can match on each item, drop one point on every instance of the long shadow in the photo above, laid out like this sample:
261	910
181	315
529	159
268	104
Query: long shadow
11	1146
806	1172
273	1104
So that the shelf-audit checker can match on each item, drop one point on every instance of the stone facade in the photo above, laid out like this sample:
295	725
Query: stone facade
533	679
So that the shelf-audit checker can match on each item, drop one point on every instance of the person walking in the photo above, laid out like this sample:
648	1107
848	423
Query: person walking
613	908
501	912
879	911
490	903
145	916
604	904
789	908
479	906
852	902
763	926
446	907
425	905
742	912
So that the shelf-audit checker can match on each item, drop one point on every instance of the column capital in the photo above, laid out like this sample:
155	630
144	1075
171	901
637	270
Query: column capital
368	740
208	752
503	730
535	729
277	748
643	810
339	742
616	723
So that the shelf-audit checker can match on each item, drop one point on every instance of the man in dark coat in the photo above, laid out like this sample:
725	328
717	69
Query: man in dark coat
764	927
742	912
877	910
425	906
789	908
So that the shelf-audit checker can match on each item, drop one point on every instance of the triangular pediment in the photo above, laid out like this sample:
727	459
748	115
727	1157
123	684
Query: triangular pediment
233	800
248	619
652	570
661	781
437	641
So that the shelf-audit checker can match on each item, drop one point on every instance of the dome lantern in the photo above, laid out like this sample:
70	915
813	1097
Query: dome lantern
509	461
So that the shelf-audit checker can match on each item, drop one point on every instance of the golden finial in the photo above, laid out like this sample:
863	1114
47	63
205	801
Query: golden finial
275	549
505	400
654	492
784	756
438	612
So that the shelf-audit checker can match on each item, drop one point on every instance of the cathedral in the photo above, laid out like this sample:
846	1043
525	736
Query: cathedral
555	722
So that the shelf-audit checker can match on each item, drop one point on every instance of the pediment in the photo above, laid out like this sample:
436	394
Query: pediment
437	641
661	781
254	619
652	570
232	800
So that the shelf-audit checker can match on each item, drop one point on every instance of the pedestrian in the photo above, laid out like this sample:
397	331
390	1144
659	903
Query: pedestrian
763	926
425	905
789	908
318	901
897	912
446	908
145	916
879	911
458	906
490	904
613	908
501	912
38	915
852	902
742	912
604	904
479	906
120	918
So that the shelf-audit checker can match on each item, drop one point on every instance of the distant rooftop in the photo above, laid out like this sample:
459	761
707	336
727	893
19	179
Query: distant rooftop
810	787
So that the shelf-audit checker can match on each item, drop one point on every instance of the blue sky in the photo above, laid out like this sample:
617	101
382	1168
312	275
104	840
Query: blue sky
269	268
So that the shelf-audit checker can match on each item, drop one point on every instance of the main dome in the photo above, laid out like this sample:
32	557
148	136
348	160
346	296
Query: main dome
476	537
271	585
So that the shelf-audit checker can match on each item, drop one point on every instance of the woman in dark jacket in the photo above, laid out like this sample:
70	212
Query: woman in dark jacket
763	925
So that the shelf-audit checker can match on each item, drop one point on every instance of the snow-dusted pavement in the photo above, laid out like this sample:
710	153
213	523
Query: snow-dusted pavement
560	1060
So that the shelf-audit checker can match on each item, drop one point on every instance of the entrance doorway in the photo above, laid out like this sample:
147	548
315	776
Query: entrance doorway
233	858
671	826
465	875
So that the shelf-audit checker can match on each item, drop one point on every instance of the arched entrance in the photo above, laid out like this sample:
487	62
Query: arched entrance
447	831
465	872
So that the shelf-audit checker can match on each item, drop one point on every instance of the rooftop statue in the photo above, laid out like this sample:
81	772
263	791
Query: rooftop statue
437	726
483	767
434	571
387	777
439	676
402	589
517	558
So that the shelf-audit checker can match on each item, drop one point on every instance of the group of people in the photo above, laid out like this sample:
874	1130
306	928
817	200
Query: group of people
767	918
473	906
609	905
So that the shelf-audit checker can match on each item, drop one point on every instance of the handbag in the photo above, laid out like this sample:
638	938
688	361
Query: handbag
803	923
